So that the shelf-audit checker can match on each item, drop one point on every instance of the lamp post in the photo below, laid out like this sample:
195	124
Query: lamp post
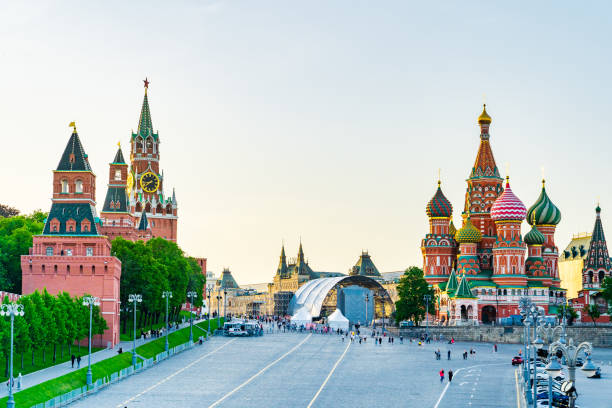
427	298
367	299
191	294
90	301
208	305
224	305
167	295
218	315
134	299
12	310
571	354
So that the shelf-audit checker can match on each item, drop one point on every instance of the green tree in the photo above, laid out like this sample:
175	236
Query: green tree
35	314
60	316
7	211
15	240
606	290
48	319
411	291
593	312
70	323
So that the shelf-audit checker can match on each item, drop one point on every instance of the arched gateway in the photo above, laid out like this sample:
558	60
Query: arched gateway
321	297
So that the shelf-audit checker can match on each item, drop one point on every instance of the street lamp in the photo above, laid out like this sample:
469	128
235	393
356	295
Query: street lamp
12	310
224	304
208	305
167	295
90	301
367	299
571	353
218	300
191	294
427	298
134	299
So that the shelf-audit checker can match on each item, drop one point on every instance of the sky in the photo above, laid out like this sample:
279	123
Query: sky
320	120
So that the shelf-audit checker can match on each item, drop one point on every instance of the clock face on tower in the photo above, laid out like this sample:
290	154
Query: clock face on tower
149	182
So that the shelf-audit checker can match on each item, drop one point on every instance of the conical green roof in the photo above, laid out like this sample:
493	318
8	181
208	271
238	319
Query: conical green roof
119	157
227	281
597	257
144	222
282	263
452	284
364	266
452	230
463	291
543	211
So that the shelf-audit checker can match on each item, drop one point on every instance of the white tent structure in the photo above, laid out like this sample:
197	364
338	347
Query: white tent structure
337	320
301	317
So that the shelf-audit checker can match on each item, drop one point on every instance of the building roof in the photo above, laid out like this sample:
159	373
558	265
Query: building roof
143	225
227	281
598	257
578	248
451	284
119	157
543	211
534	237
364	266
78	212
145	124
74	157
508	206
439	206
484	166
468	233
484	116
282	263
463	291
116	200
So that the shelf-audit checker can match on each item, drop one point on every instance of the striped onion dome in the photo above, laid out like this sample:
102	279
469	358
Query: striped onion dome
534	237
468	234
439	206
543	211
508	206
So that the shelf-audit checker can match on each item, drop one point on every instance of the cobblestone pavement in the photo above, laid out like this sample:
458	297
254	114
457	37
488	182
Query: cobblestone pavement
302	370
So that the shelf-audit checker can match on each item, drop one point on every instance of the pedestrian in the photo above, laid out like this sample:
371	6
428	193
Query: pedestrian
72	358
401	339
450	375
380	341
448	355
78	361
495	347
441	376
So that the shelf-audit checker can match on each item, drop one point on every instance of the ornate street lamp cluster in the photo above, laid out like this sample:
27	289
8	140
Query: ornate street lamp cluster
12	310
533	317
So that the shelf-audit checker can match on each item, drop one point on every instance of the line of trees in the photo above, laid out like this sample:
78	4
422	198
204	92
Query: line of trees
16	233
150	268
50	324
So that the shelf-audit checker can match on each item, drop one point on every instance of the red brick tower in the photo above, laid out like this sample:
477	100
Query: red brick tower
438	247
115	216
146	181
71	255
484	186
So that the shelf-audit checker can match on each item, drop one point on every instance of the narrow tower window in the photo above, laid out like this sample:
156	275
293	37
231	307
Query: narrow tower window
64	186
78	186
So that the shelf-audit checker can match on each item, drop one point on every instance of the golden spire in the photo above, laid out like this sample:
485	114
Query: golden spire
73	125
439	182
484	117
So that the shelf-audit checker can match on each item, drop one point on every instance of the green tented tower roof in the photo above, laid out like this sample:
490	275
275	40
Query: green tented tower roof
452	284
74	157
463	291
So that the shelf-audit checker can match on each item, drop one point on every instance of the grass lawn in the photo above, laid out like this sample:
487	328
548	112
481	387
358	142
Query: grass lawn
78	378
175	338
66	383
38	360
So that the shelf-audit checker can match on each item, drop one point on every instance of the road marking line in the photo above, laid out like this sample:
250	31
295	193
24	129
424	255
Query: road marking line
123	404
329	376
518	401
457	372
263	370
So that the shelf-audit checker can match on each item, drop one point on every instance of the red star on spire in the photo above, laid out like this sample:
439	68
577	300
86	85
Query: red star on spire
146	82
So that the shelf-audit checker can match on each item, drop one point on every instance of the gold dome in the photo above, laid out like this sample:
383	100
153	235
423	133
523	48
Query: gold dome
484	116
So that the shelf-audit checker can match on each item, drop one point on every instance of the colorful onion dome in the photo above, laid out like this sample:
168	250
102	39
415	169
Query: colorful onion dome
543	211
508	206
484	116
468	234
452	230
534	237
439	206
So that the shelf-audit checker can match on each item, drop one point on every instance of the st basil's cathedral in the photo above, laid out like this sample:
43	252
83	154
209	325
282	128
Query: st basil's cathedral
481	270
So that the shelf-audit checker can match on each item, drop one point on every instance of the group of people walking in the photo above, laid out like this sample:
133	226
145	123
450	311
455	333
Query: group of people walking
77	359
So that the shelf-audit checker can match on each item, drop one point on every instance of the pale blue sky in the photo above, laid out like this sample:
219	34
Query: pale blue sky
323	119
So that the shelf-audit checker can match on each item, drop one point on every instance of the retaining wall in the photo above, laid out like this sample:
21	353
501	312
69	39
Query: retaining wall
598	336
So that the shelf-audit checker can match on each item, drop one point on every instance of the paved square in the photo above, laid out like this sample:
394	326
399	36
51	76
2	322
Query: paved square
290	370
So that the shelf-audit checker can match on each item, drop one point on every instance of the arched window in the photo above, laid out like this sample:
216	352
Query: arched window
65	186
117	174
78	186
139	207
148	207
149	145
139	145
601	276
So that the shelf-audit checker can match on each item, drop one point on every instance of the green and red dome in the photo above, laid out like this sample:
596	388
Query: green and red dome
439	206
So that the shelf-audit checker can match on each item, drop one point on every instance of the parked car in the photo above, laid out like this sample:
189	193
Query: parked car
517	360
